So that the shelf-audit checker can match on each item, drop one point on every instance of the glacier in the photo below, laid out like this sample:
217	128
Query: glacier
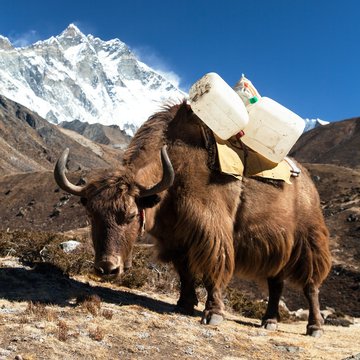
74	76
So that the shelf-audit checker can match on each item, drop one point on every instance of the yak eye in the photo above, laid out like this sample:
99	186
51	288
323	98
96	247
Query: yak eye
131	217
122	218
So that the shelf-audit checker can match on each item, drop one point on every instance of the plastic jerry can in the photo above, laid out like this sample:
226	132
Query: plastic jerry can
272	129
218	106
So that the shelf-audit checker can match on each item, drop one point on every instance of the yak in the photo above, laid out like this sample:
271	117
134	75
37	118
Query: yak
209	225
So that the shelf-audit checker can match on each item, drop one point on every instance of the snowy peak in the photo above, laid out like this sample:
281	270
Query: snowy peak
72	31
73	76
71	36
314	123
5	44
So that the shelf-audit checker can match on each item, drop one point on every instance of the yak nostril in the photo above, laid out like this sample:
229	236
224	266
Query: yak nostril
107	268
115	271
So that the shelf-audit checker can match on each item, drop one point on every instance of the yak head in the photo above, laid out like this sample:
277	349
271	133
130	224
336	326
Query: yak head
115	206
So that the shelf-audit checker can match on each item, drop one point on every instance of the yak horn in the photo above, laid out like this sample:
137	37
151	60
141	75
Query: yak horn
61	179
167	178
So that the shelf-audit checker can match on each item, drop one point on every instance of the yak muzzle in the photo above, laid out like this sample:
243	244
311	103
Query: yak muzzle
111	267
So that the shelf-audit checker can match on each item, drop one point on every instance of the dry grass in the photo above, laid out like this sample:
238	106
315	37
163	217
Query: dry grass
90	303
43	249
34	248
107	314
62	331
103	326
97	334
241	304
38	311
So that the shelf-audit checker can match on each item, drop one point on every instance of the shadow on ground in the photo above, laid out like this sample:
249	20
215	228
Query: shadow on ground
46	284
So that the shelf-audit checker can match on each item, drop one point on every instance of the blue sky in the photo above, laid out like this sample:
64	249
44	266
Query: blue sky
303	53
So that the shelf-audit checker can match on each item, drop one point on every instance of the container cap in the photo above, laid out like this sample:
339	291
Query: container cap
253	100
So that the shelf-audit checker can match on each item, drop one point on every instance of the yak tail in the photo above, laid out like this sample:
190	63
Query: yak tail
313	259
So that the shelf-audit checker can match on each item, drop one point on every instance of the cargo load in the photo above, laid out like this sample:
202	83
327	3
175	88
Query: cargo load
263	124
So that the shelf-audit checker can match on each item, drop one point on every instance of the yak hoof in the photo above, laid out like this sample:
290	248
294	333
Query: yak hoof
270	325
212	319
314	332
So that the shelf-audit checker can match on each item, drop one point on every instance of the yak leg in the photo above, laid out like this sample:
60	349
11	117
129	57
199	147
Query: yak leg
188	299
272	315
315	321
214	307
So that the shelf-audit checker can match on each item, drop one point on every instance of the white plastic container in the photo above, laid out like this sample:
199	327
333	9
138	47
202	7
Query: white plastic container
272	129
218	106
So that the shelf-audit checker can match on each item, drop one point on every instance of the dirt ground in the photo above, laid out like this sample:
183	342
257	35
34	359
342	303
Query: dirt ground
45	314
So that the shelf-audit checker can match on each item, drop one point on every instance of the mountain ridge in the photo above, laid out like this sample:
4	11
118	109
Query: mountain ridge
336	143
29	143
77	77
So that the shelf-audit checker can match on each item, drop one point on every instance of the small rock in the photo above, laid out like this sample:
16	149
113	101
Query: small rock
208	334
337	321
56	212
44	252
326	313
4	353
300	314
353	357
12	347
64	199
21	212
352	218
144	335
69	246
40	325
287	348
146	314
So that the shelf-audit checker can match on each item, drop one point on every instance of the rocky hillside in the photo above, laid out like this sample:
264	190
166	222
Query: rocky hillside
337	143
108	135
332	154
28	143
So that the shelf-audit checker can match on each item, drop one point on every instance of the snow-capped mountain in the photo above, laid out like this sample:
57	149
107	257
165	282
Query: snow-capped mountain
80	77
313	123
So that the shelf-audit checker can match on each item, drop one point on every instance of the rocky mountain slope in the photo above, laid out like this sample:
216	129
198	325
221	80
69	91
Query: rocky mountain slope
108	135
74	76
28	143
337	143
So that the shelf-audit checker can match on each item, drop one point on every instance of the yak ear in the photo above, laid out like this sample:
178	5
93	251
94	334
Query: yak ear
148	201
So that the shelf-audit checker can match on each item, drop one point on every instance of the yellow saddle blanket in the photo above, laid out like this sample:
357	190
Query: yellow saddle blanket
237	160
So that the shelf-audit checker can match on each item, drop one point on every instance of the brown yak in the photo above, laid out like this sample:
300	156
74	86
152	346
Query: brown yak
206	223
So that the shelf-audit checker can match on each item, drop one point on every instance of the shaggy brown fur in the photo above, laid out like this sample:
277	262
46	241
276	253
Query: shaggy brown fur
210	224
